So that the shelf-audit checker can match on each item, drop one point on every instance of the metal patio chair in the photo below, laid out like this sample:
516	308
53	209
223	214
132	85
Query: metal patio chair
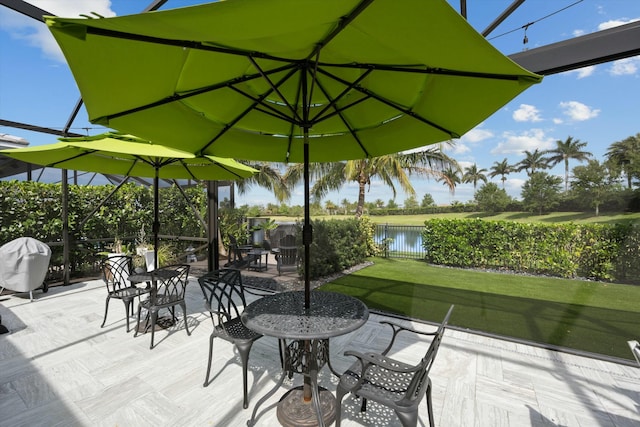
224	298
397	385
115	271
167	291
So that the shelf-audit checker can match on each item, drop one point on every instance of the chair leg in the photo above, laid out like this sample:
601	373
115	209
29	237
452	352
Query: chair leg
408	419
127	309
106	310
31	295
184	313
154	320
430	405
340	392
138	321
244	349
206	379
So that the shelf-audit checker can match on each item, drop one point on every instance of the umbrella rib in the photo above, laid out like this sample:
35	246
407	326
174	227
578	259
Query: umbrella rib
196	45
186	167
291	129
334	100
257	101
77	156
344	21
274	88
400	109
421	69
344	120
339	110
245	112
191	93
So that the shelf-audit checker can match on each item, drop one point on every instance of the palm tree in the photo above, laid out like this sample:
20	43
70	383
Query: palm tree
473	174
565	150
268	177
532	162
623	153
503	169
450	177
389	169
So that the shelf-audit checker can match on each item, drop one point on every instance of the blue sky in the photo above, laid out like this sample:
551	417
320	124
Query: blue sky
598	105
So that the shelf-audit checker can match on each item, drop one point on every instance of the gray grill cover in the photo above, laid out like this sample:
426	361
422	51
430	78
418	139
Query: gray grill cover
23	264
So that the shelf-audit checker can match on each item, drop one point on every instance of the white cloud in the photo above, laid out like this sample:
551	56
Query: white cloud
578	111
514	183
465	164
476	135
583	72
626	66
458	148
615	23
35	33
517	143
462	145
527	113
578	33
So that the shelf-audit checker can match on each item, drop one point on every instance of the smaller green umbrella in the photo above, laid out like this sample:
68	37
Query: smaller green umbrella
121	154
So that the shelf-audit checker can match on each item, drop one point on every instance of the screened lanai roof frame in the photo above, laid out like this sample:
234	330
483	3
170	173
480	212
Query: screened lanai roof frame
591	49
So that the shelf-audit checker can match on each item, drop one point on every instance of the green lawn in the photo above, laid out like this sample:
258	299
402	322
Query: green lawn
589	316
555	217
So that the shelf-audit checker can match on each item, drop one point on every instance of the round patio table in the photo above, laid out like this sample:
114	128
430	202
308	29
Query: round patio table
284	316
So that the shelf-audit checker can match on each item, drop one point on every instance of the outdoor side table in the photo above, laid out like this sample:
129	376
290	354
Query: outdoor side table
257	265
283	315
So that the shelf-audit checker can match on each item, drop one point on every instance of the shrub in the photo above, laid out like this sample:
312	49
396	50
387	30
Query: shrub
594	251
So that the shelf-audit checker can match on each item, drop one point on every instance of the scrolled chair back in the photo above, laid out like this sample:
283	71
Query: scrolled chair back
171	283
223	294
115	271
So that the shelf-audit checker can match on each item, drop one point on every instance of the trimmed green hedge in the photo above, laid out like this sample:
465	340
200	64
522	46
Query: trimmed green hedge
33	209
339	244
594	251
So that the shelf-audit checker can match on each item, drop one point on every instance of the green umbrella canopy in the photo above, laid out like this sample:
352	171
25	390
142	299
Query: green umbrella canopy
247	78
120	154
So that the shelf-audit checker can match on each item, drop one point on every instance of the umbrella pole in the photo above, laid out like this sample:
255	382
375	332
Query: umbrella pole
307	232
156	221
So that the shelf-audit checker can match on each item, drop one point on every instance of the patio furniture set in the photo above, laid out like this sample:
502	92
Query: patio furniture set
247	256
303	335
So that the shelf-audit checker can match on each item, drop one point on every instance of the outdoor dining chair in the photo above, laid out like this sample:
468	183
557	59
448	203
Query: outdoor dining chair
167	291
397	385
224	298
287	254
115	271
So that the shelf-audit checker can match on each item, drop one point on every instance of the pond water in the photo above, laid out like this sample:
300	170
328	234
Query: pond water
402	238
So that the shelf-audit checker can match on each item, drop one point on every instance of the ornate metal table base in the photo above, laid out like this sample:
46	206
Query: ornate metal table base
285	316
293	411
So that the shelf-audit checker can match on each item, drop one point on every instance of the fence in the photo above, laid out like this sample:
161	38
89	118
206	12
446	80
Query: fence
400	241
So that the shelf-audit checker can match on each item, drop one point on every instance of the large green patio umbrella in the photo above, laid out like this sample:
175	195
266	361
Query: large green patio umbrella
290	80
127	155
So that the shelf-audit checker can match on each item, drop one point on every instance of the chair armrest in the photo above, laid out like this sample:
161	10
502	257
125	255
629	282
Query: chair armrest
257	291
397	329
367	359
